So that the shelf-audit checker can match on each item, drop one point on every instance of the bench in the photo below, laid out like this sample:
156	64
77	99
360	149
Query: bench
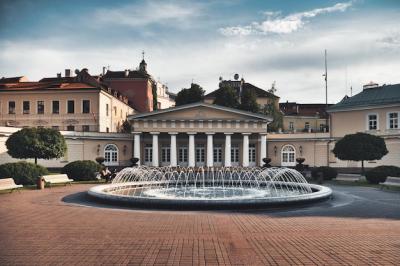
391	181
57	179
8	184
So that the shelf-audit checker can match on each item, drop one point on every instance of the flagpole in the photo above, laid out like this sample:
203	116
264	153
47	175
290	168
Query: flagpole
326	89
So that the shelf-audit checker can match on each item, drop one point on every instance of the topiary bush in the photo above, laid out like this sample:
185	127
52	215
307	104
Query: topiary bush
380	173
23	173
82	170
327	172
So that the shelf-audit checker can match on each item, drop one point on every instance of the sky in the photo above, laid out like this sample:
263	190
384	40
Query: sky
281	41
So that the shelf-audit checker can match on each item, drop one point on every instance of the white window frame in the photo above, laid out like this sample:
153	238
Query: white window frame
183	155
288	162
200	154
388	120
291	125
367	122
252	154
148	154
165	155
235	154
217	154
113	158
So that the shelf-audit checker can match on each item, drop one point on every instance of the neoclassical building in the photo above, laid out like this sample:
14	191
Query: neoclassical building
200	134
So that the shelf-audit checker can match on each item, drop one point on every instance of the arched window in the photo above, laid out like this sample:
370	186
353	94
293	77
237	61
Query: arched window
288	156
111	154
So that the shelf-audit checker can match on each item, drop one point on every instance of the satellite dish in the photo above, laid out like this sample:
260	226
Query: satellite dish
236	76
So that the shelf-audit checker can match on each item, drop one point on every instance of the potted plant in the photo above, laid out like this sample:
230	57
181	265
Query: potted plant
100	160
134	161
266	162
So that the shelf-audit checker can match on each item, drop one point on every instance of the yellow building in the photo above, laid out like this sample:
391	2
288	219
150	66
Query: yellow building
78	103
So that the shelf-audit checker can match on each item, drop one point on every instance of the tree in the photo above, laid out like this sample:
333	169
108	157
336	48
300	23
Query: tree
191	95
226	96
42	143
276	114
249	101
126	127
360	147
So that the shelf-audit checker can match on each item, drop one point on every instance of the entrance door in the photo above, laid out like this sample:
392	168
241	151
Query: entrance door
235	155
200	155
217	155
183	156
288	156
252	155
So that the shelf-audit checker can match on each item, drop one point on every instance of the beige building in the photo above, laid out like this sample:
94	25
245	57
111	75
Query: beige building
75	104
200	134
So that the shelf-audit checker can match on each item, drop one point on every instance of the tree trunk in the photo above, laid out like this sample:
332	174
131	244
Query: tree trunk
35	160
362	168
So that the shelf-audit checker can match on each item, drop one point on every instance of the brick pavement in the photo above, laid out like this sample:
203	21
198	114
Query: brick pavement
37	228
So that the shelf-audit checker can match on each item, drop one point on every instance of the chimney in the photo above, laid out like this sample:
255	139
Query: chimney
67	73
104	70
126	73
58	75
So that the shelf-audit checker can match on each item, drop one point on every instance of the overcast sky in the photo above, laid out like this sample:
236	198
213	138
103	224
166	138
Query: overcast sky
263	41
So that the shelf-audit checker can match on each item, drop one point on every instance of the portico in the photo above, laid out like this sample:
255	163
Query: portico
200	134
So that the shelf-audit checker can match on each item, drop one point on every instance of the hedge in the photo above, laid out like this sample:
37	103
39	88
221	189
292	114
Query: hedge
380	173
327	172
82	170
23	173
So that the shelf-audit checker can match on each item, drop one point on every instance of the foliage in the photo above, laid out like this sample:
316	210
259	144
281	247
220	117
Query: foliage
327	172
42	143
380	173
23	173
249	101
360	147
191	95
277	116
81	170
226	96
126	127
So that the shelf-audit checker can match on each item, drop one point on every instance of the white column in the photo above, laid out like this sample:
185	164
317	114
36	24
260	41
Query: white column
136	146
245	157
173	149
228	149
191	150
263	148
210	149
155	148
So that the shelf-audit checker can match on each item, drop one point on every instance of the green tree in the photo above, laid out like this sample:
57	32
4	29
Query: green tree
249	101
126	127
226	96
191	95
276	115
360	147
42	143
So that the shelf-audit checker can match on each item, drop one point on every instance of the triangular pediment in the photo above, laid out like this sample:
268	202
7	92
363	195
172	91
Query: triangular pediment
200	111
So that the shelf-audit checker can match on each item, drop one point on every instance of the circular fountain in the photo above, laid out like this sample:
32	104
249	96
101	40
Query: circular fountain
228	187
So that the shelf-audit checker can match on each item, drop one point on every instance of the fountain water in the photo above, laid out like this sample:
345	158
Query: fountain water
217	187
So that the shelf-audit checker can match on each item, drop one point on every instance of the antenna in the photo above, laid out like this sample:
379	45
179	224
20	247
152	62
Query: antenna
143	54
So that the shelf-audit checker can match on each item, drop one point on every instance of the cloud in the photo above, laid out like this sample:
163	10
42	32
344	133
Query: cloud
147	13
283	25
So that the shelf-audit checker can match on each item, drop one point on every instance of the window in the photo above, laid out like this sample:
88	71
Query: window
183	155
86	106
291	126
71	107
321	127
393	120
70	128
307	125
11	108
235	153
107	109
107	129
26	107
56	107
115	111
148	153
372	122
288	156
85	128
165	154
252	153
217	154
158	105
200	153
55	127
110	154
40	107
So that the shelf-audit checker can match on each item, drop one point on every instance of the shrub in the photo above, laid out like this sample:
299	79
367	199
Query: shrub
81	170
380	173
23	173
327	172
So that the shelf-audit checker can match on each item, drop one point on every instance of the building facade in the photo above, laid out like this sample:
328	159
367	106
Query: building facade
80	104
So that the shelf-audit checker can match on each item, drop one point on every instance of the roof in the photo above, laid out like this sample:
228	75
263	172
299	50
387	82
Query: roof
198	104
37	86
301	109
12	79
121	74
246	86
371	97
